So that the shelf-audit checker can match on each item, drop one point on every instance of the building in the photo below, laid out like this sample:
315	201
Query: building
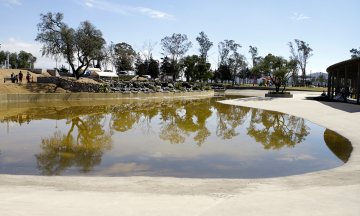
344	74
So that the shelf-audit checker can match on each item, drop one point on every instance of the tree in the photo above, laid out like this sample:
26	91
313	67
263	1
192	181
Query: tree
294	67
166	66
141	67
301	53
313	80
63	69
204	72
355	53
254	55
13	61
237	66
83	44
125	57
23	60
175	46
3	57
321	79
188	65
153	68
205	45
146	49
277	68
227	54
223	72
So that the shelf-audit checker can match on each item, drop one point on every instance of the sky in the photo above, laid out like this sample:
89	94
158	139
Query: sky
330	27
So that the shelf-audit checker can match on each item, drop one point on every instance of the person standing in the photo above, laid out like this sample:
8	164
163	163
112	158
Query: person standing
20	76
28	76
13	77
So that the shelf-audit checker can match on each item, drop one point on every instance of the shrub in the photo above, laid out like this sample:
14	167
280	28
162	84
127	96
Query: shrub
272	92
104	88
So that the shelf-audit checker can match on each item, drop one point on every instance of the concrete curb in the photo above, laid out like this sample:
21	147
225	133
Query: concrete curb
97	96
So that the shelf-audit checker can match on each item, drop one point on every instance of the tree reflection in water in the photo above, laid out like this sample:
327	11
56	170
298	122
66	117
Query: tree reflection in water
183	118
276	130
178	121
62	151
228	119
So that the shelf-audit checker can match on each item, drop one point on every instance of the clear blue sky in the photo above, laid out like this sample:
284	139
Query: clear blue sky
330	27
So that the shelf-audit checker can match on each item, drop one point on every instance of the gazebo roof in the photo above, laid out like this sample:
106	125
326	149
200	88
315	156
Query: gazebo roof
349	62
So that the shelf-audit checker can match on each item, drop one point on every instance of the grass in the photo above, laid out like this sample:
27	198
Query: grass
288	88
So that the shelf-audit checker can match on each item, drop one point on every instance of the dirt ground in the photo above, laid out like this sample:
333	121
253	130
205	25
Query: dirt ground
25	88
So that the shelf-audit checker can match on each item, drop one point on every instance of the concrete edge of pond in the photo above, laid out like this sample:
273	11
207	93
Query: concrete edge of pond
328	192
96	96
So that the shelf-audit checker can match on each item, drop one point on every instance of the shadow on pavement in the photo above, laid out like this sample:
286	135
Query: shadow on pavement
256	99
340	105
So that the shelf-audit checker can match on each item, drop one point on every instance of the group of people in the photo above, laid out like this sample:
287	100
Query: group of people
18	78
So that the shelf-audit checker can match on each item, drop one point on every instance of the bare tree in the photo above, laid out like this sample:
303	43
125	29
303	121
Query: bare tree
237	64
254	55
176	46
146	49
301	53
205	44
225	48
227	51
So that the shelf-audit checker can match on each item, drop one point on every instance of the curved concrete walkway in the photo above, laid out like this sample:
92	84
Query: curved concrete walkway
329	192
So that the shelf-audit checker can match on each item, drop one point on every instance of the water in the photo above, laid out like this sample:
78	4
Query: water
191	138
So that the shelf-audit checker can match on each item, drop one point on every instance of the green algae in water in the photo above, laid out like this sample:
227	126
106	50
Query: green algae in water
197	138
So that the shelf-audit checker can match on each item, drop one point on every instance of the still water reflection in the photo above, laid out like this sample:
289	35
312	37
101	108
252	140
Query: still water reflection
189	138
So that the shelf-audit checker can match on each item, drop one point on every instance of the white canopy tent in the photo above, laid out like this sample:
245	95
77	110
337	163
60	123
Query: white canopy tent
103	74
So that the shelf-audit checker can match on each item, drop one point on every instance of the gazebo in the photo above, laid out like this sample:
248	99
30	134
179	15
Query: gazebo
345	73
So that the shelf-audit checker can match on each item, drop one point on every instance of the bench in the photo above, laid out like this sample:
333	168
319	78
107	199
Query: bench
5	79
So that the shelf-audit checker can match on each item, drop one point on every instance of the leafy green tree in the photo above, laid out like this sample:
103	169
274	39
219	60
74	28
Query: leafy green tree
3	55
125	57
24	59
196	68
13	60
188	65
301	53
321	79
63	69
166	66
355	53
83	44
153	68
203	70
141	66
277	68
224	73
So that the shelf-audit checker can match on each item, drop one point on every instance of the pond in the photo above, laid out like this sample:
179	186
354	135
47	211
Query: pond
194	138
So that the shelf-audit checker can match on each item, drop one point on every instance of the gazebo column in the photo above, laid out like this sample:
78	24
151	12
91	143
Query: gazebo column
337	82
346	84
332	85
329	83
358	85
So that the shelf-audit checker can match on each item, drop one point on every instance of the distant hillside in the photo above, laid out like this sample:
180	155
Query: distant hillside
317	74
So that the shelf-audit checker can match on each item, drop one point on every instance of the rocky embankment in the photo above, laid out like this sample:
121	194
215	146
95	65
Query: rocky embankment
124	86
